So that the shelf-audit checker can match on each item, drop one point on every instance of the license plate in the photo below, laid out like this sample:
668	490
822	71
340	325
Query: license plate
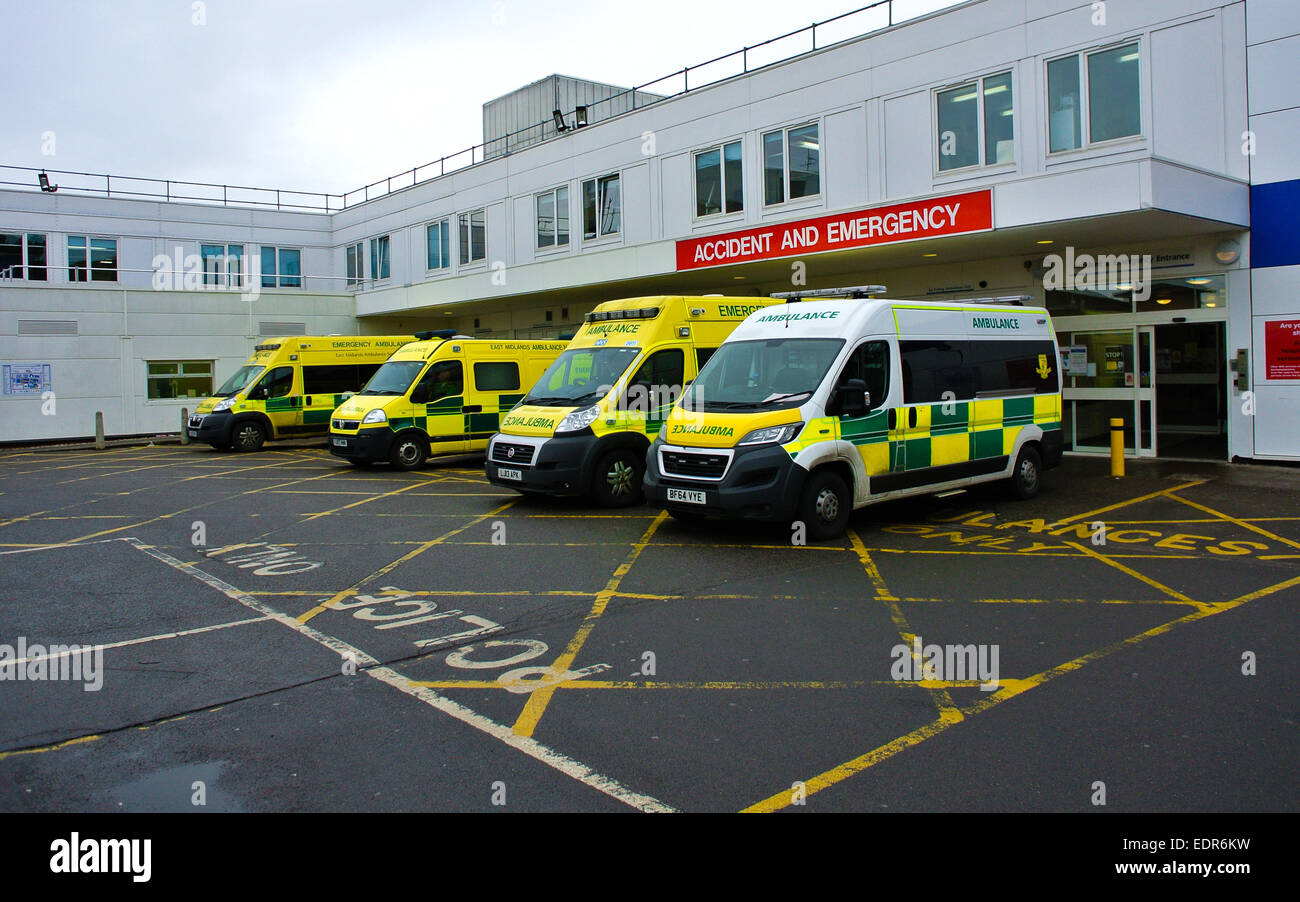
340	443
194	433
504	473
686	496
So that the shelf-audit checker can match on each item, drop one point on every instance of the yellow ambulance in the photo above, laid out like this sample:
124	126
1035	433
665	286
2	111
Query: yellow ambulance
289	388
813	409
442	394
585	426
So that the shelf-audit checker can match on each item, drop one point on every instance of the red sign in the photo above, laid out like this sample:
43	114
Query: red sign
953	215
1282	349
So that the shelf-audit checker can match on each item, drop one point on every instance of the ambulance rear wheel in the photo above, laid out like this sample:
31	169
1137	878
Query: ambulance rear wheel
617	480
1027	474
825	505
407	453
248	435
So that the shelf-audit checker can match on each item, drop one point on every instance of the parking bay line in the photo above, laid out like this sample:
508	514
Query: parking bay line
1009	689
538	699
386	675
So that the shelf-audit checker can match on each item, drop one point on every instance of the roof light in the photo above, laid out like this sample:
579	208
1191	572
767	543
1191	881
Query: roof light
854	291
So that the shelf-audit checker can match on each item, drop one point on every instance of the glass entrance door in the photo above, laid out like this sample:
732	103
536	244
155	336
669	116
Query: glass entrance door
1110	376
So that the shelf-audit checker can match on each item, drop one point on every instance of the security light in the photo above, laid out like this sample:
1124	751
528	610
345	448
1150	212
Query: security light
560	124
44	181
580	116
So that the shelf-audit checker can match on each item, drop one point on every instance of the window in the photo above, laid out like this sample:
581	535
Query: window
473	236
281	267
719	186
92	259
1111	105
179	379
602	207
443	380
658	382
22	257
335	380
791	164
276	384
553	218
496	376
970	369
223	264
976	124
870	363
437	241
355	264
379	258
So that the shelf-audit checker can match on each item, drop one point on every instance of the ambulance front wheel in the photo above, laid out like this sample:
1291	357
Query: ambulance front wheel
248	435
617	479
1027	473
825	505
407	453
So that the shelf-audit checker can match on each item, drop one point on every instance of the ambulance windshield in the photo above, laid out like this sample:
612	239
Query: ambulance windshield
581	376
768	374
242	378
393	378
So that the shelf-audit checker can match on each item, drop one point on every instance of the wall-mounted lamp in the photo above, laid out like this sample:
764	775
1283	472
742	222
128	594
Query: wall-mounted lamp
44	181
560	124
580	116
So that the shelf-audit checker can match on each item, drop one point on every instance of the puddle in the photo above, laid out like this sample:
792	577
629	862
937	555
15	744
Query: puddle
173	789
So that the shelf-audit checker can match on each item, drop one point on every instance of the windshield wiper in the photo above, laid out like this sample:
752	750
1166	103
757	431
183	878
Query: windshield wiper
774	398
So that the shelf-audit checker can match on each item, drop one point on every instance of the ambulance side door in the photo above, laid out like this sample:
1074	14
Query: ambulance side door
280	392
495	387
440	393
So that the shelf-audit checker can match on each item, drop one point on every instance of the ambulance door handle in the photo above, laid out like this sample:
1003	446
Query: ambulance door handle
911	418
893	418
308	401
473	408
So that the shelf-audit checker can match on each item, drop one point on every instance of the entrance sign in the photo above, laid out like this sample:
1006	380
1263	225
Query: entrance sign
956	214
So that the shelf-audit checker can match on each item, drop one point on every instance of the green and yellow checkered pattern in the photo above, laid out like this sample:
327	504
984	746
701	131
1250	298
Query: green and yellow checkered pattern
948	433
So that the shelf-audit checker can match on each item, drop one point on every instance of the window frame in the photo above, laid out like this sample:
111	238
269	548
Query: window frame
978	83
556	244
24	264
1085	99
444	244
354	264
222	276
465	240
89	266
786	197
277	277
601	183
152	379
381	258
721	149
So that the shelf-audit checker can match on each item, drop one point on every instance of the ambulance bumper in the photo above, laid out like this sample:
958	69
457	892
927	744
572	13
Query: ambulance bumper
759	483
213	428
365	446
547	466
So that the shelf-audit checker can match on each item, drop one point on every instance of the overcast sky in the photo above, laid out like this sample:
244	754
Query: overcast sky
325	95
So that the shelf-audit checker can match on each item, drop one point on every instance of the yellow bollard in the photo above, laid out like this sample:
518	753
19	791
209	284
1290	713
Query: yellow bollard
1117	447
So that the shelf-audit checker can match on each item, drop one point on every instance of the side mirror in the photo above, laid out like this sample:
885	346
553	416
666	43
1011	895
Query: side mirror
420	394
855	400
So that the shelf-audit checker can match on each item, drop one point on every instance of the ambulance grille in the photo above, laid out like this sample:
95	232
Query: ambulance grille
505	453
698	466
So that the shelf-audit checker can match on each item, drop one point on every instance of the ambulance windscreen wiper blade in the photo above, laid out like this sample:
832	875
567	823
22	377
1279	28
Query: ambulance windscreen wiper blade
772	399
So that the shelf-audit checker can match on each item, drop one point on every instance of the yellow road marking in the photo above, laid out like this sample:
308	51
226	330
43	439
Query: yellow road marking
1140	498
50	748
1009	689
538	699
415	552
1159	586
1245	524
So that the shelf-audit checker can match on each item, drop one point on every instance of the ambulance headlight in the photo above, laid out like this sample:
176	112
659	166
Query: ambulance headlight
579	419
375	416
778	434
224	404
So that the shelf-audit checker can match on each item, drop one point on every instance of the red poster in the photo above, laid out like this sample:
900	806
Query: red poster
1282	349
952	215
